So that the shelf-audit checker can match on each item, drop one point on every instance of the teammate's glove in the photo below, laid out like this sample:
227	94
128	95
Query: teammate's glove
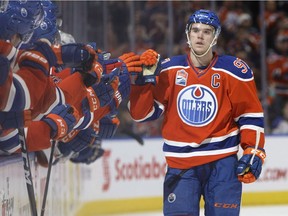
39	56
61	119
75	55
132	62
94	75
249	171
10	120
4	69
134	67
106	89
77	141
89	154
108	126
151	65
123	91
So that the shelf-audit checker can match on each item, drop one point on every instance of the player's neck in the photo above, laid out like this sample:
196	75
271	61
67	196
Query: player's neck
201	61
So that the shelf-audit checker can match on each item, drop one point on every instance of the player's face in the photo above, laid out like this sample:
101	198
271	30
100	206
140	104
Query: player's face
201	36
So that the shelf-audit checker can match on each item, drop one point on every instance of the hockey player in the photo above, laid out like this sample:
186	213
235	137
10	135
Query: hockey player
210	108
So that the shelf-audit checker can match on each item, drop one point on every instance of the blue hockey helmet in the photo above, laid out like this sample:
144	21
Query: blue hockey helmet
48	27
205	17
21	17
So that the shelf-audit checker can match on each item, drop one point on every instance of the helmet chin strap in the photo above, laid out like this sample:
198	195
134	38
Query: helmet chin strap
213	43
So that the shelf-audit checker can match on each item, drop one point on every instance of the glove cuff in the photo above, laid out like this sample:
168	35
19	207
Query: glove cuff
258	152
57	124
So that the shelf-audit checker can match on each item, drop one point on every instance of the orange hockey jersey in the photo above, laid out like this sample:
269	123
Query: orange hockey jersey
207	113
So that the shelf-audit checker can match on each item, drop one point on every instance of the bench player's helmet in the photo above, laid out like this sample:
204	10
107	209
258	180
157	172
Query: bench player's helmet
21	17
48	27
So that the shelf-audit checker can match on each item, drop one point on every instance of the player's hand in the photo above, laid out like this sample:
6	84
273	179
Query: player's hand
123	90
94	75
105	90
76	141
108	126
249	171
76	55
132	62
61	120
134	67
89	154
151	65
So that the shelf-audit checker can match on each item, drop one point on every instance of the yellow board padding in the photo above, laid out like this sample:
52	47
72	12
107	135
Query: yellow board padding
99	208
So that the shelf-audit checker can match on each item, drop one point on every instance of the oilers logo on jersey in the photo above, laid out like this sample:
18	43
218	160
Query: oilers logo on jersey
197	105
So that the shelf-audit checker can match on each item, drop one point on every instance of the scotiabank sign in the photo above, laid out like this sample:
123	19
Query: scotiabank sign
126	170
139	169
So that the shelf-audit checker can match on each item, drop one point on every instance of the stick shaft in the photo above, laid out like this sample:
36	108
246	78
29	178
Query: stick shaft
48	178
27	171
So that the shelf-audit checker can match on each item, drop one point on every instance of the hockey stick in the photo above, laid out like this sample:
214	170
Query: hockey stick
258	134
27	172
133	135
48	177
177	178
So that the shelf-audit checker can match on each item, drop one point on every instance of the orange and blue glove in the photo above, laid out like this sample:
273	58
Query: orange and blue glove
61	120
249	166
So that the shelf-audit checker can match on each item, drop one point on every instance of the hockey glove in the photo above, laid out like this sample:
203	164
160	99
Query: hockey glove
103	58
62	119
108	126
77	142
106	89
151	66
75	55
9	120
89	154
134	67
93	76
123	91
40	56
249	166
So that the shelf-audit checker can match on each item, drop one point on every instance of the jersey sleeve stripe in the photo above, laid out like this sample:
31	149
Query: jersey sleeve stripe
26	91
